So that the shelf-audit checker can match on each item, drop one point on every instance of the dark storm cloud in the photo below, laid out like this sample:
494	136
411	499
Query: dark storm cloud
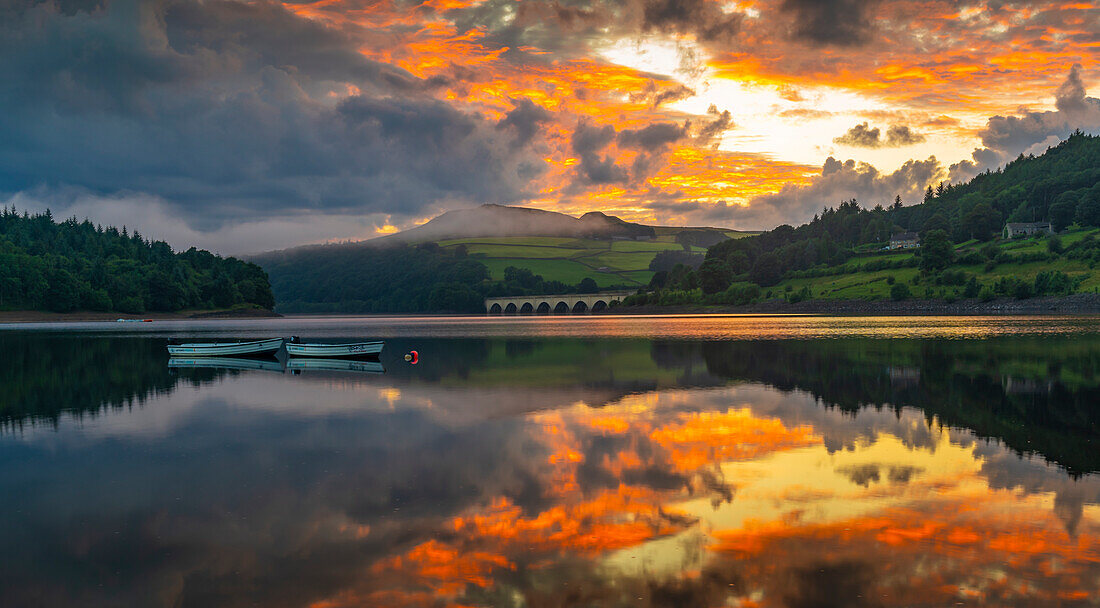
588	142
1006	137
701	17
651	143
566	26
863	136
830	22
652	137
524	120
233	110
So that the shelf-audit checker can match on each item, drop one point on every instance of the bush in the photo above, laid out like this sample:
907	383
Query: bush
986	294
972	289
1023	290
1054	245
952	277
890	280
900	291
737	294
801	295
973	258
1053	283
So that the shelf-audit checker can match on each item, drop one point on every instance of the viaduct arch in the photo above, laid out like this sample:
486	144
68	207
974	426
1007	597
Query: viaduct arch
573	303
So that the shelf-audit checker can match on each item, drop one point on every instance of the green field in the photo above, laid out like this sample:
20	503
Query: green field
609	263
845	283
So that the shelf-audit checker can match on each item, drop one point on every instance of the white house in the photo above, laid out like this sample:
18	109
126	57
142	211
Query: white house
1013	230
904	240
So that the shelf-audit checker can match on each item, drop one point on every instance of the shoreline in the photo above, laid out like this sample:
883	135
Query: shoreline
43	316
1076	304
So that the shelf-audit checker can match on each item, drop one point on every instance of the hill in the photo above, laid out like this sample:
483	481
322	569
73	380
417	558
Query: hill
466	255
502	221
842	253
74	265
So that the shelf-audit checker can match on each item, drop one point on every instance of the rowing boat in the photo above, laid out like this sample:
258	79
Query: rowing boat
331	351
223	349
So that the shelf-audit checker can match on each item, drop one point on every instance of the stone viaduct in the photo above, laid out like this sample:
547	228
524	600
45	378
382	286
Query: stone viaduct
573	303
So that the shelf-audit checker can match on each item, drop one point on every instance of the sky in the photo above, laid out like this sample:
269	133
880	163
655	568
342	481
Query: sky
248	126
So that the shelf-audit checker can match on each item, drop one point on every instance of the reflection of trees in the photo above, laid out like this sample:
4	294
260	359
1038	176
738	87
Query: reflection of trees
44	375
1035	395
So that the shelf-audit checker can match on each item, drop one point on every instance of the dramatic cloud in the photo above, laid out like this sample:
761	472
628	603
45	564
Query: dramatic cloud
862	136
719	123
233	115
838	182
232	112
1006	137
701	17
525	120
588	142
830	22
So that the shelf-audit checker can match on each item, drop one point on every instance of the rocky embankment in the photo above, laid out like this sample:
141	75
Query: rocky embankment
1078	304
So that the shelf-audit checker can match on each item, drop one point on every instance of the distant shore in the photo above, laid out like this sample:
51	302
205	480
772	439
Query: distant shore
42	316
1077	304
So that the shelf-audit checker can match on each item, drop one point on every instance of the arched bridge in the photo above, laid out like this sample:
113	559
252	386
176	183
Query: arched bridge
573	303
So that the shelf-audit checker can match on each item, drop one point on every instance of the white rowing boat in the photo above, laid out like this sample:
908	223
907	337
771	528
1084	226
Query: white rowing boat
225	363
331	351
335	365
225	349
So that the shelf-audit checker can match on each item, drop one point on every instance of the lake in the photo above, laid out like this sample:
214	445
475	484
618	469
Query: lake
561	461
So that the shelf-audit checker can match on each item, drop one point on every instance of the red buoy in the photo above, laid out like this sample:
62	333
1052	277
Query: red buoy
412	357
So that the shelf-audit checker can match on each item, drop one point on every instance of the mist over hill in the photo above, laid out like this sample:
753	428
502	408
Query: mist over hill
502	221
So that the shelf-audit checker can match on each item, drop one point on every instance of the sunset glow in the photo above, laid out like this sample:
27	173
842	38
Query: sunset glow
762	498
369	117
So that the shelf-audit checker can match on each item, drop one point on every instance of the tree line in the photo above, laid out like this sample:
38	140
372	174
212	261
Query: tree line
1061	186
76	265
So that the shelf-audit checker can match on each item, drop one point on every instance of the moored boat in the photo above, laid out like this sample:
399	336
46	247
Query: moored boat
226	349
335	365
359	349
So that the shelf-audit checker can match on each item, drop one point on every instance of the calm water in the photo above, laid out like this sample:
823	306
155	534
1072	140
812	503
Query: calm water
667	461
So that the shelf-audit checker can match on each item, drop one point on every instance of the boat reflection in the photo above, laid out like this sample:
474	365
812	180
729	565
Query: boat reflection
335	365
225	363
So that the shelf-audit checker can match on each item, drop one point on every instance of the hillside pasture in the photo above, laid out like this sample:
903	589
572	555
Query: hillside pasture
626	263
848	282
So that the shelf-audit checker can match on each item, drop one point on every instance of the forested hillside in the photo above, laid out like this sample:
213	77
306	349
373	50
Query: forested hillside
353	278
960	228
76	265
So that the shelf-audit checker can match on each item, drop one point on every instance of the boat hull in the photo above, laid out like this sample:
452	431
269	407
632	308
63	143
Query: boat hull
225	349
330	351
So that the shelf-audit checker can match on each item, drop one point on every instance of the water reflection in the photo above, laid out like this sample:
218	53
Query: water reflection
558	472
236	363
